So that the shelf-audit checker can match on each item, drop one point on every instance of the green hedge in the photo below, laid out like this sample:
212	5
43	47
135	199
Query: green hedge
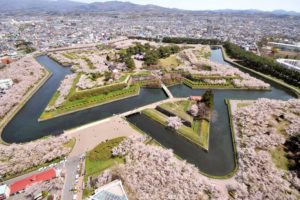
97	91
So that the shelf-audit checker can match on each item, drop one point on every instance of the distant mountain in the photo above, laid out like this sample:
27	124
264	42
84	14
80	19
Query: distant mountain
119	6
284	12
108	6
38	5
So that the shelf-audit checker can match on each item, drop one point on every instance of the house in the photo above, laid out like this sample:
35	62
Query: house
21	185
5	84
4	192
113	190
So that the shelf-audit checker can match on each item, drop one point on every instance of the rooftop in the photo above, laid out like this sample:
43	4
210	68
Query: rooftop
111	191
22	184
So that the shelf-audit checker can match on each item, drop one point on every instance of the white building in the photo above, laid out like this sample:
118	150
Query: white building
291	64
4	192
113	190
5	84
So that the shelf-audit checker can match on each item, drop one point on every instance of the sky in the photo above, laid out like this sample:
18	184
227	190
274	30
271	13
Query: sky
267	5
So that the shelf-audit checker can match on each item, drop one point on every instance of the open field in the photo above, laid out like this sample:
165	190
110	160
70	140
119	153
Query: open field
171	61
92	101
179	109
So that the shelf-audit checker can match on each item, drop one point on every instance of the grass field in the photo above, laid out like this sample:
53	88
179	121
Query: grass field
198	133
171	61
88	102
279	158
100	159
204	133
179	109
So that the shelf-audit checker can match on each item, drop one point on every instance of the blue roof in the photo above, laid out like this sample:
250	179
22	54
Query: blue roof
3	189
104	195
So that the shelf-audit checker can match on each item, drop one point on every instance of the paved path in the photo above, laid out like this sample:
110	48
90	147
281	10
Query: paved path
153	105
71	170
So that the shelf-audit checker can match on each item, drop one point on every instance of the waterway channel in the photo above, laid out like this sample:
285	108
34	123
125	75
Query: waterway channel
218	161
25	127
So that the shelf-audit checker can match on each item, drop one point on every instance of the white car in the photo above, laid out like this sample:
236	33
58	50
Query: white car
75	197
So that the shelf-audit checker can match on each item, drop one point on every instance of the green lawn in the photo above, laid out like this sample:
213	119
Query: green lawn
279	158
100	159
204	133
193	134
87	102
70	55
242	105
171	61
179	109
71	143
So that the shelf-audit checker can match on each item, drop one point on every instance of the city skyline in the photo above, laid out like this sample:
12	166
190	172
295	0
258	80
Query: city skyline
266	5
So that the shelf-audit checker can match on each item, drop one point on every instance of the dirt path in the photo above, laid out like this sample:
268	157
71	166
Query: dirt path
89	136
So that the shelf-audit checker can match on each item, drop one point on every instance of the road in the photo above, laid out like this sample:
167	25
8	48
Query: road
71	171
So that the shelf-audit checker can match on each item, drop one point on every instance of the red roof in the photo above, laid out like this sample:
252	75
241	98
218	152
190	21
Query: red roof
22	184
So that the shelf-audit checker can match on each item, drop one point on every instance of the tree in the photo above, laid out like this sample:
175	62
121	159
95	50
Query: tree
174	122
194	110
130	63
203	110
108	58
207	98
151	58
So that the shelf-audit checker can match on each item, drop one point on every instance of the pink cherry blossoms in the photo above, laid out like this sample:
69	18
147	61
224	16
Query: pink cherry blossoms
53	186
25	73
174	122
152	172
16	158
257	132
63	91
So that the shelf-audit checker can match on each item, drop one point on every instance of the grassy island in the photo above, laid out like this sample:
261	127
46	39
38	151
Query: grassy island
73	104
195	128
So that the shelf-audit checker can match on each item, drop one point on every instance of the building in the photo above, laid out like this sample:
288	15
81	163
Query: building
113	190
5	84
21	185
291	64
284	46
4	192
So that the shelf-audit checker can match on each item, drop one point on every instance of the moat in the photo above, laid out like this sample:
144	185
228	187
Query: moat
218	161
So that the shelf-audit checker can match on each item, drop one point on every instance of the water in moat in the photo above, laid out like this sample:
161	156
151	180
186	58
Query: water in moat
220	159
25	127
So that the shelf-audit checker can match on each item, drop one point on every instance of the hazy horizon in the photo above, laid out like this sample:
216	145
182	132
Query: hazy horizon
265	5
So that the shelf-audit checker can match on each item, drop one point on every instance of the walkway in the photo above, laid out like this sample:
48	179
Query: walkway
153	105
167	91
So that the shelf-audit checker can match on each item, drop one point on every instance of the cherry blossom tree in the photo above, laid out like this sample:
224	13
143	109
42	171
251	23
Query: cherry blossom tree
16	158
174	122
194	110
25	73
